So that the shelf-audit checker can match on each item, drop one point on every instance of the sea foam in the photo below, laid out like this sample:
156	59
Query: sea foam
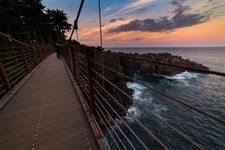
138	90
184	76
142	98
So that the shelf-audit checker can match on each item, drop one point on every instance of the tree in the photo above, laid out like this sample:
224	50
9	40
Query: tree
58	22
19	17
27	21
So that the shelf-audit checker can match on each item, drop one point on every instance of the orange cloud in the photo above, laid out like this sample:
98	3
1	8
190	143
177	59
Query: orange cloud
210	32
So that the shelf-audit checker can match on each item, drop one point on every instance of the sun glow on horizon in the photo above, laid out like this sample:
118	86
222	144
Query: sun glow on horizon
152	23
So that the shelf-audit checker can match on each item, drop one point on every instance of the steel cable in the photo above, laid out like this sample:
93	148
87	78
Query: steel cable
109	131
135	119
139	140
176	65
169	97
173	128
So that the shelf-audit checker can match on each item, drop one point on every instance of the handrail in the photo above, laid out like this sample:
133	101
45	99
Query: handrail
150	133
14	40
173	128
121	120
104	100
176	65
170	97
16	63
92	105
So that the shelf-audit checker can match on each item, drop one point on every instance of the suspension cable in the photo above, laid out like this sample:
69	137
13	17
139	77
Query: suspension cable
78	45
100	30
135	135
98	127
75	26
157	116
210	116
12	39
175	65
100	114
100	21
77	39
150	133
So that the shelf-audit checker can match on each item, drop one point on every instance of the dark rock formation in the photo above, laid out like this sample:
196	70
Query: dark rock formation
146	63
126	64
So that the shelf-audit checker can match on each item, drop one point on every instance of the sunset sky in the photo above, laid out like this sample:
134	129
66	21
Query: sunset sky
142	23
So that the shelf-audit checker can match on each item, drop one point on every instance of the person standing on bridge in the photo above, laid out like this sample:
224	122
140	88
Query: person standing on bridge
58	51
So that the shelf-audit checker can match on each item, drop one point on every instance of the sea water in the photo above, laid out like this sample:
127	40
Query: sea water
203	91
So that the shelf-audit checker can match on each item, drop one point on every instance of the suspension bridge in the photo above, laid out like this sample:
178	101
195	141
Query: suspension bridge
47	103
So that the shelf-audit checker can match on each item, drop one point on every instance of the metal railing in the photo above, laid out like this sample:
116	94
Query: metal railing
17	59
107	108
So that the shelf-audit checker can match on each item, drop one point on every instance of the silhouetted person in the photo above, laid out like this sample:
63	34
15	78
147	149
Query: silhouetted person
58	51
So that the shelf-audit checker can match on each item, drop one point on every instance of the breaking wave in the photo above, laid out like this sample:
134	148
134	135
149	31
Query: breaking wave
138	90
142	98
185	76
135	112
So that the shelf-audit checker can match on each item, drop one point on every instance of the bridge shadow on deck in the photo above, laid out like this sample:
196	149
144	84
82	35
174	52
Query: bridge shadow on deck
46	114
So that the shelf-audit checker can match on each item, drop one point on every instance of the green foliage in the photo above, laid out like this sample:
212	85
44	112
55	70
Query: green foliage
27	21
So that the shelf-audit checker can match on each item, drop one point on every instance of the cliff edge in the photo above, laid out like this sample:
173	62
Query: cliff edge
130	63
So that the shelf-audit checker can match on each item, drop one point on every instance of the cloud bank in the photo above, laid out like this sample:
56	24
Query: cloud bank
163	24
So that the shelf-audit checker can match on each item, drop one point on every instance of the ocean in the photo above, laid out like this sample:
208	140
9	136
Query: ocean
203	91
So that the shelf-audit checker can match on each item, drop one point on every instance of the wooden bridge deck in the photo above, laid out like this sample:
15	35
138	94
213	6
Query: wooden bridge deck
46	114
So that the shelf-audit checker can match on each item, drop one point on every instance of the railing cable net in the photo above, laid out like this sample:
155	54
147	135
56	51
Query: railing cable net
100	100
188	68
80	75
106	126
170	126
17	59
167	96
104	100
160	118
150	133
139	140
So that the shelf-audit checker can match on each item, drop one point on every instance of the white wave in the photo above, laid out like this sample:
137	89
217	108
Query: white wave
135	112
184	76
142	101
132	85
138	90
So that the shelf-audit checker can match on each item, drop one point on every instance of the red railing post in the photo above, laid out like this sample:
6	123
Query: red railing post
73	61
90	56
40	54
35	57
70	59
67	57
24	59
49	51
5	78
45	52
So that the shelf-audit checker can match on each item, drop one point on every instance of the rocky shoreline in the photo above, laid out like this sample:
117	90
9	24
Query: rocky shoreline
126	64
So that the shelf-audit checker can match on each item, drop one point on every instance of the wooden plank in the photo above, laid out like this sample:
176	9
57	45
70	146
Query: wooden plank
46	114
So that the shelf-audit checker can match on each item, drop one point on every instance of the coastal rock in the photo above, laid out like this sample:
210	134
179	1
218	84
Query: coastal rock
129	64
146	63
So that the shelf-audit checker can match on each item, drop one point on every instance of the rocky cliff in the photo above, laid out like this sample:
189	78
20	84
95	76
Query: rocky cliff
146	63
126	64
